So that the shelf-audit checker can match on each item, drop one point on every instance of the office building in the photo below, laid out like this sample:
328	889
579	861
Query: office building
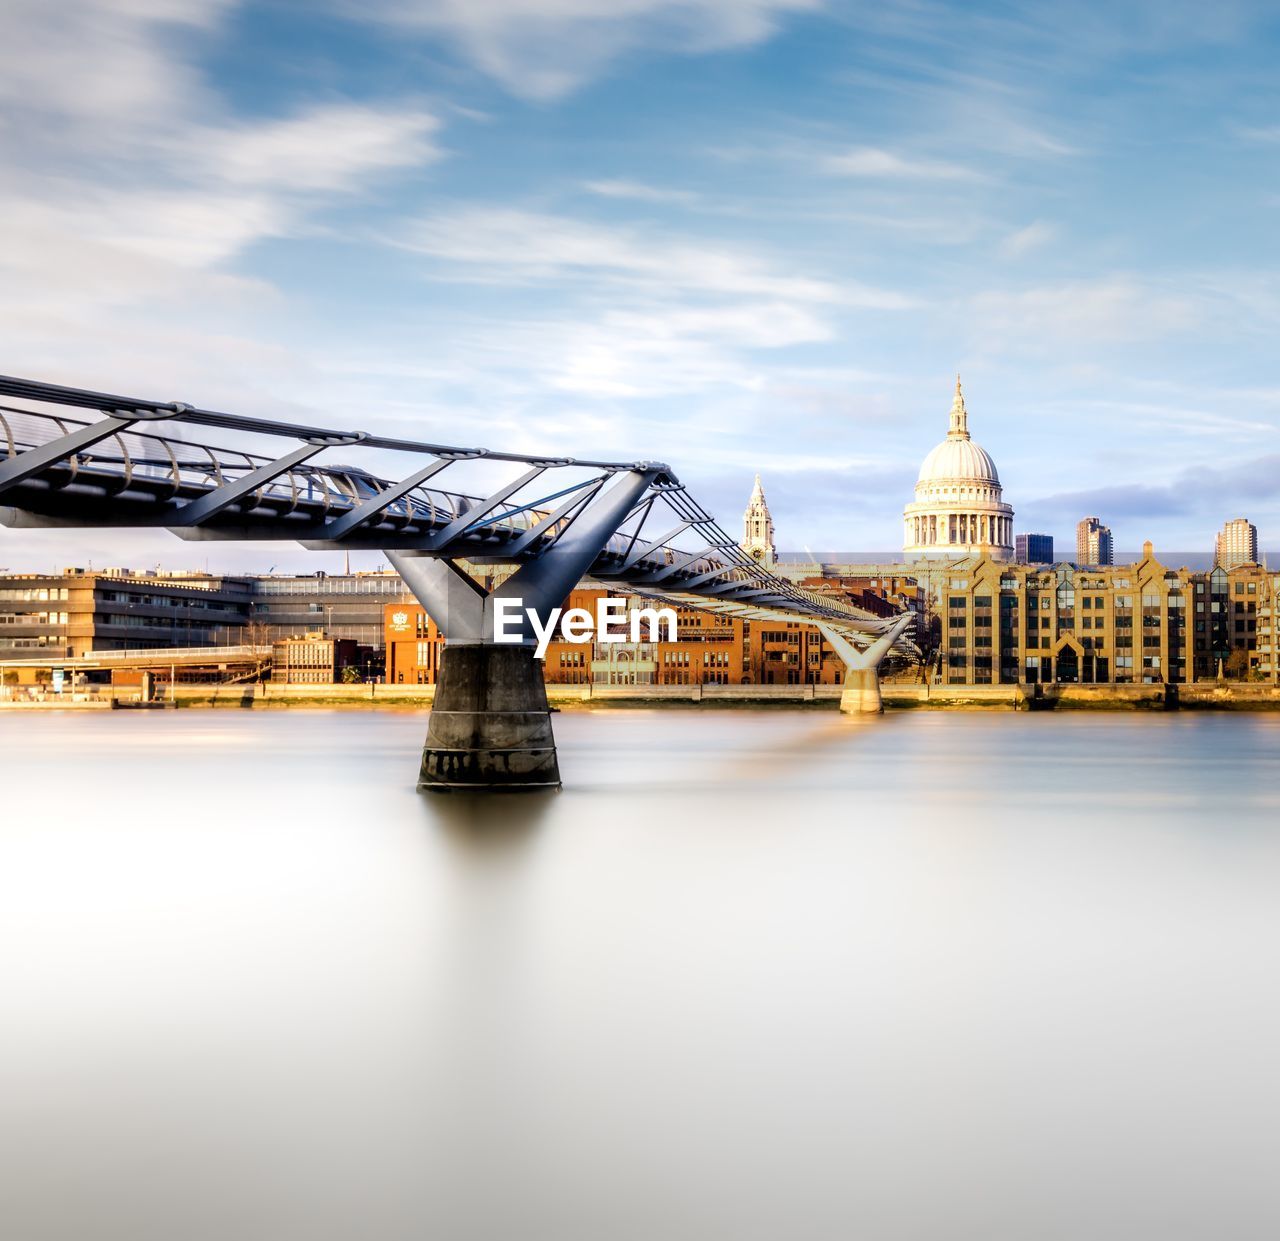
1135	623
346	606
1237	544
313	658
1093	543
72	613
1033	549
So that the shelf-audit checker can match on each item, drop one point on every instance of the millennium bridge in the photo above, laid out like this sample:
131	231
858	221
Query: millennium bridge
431	508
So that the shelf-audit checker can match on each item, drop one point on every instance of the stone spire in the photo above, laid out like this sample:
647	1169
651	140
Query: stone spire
757	527
959	428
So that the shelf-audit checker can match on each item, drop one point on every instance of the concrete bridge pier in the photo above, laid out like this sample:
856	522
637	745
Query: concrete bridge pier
490	725
861	694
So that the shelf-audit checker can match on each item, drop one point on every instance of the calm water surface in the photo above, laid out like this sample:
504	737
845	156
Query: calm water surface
751	975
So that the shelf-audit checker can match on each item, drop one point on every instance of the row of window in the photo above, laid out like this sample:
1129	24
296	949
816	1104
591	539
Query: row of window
389	585
166	601
31	594
33	618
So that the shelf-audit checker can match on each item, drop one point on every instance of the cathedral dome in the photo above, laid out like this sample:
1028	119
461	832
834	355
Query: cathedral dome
959	507
957	459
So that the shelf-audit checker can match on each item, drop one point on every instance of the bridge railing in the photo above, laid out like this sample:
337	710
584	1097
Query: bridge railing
211	654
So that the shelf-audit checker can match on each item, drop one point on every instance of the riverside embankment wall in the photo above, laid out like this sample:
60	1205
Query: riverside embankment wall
1209	695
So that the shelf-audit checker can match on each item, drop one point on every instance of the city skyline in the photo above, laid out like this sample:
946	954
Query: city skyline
743	238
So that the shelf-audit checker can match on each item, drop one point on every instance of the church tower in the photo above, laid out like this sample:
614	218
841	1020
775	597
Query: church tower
757	528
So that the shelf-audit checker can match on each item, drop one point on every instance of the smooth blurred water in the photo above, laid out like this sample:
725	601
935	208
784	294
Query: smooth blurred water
766	974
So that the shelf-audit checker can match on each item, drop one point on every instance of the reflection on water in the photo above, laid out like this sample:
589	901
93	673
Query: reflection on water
751	974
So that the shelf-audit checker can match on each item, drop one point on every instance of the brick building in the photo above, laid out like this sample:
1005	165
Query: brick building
312	659
711	649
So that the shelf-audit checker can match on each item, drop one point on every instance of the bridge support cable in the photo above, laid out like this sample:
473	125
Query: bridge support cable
471	517
634	557
559	519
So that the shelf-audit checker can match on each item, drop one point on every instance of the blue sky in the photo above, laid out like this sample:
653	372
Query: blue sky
735	235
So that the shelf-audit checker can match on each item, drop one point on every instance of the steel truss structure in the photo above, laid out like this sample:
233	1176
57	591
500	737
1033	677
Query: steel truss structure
128	462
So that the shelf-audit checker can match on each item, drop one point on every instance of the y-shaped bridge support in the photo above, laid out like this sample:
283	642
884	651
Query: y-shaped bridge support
861	695
490	725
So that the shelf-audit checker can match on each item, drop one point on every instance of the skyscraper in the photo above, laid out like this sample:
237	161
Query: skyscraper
1034	549
1237	544
757	528
1093	542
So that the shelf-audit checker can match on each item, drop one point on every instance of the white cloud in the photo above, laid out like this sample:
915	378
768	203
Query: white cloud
637	191
669	351
877	162
131	194
1260	133
329	148
544	48
1111	310
129	183
1025	240
103	233
510	245
653	349
100	63
640	314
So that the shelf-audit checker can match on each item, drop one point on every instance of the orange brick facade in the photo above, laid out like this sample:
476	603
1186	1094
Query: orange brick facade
711	650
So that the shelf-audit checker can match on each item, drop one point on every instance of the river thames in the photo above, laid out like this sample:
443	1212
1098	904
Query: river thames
752	974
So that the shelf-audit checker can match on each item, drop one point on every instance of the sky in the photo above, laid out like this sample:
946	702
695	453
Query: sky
733	235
